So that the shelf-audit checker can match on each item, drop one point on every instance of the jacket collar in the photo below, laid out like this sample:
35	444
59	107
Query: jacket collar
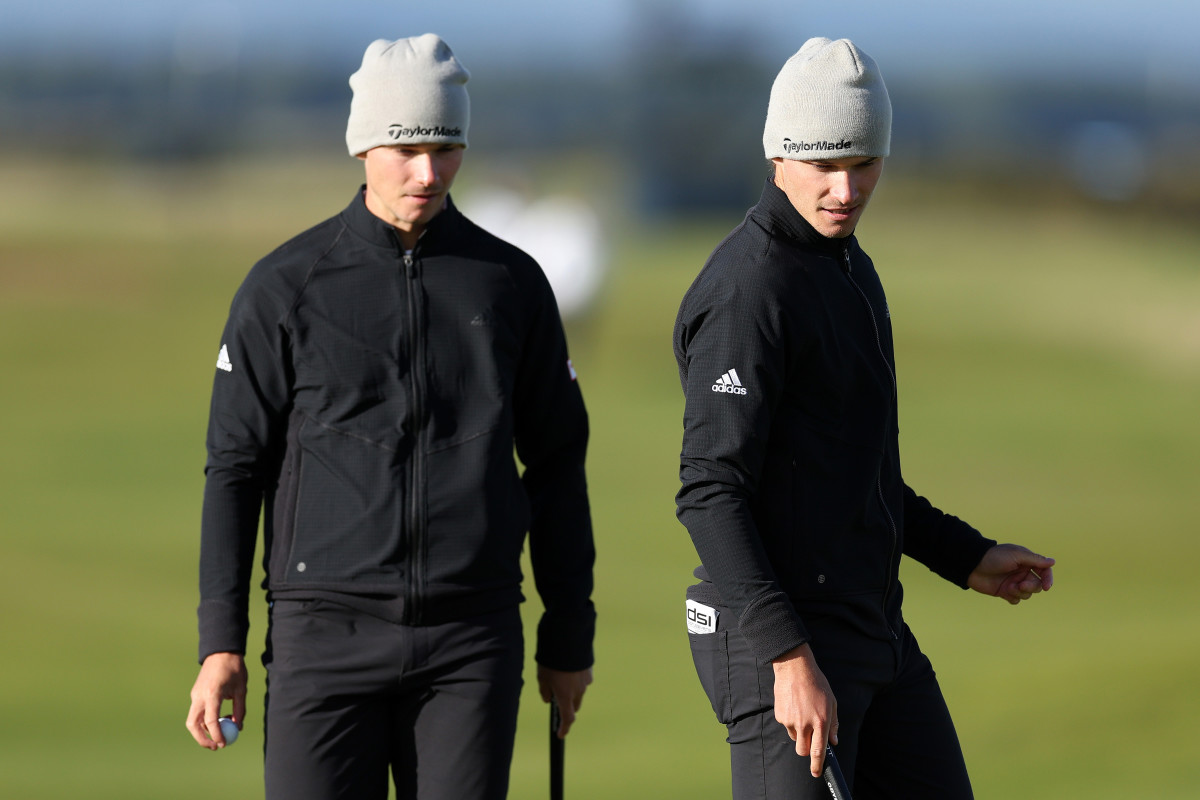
778	214
441	229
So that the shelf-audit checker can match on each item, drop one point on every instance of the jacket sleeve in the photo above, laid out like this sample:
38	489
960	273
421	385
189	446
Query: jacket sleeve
719	333
944	543
247	422
551	435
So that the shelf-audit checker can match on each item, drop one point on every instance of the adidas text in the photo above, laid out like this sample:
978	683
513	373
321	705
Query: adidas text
729	383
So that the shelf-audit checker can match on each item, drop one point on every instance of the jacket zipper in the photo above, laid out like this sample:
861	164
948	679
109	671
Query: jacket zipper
416	493
887	589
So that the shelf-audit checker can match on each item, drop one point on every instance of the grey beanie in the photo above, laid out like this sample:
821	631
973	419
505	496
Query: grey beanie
410	91
828	102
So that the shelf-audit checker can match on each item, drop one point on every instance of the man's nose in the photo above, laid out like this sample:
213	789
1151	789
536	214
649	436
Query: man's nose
424	169
842	188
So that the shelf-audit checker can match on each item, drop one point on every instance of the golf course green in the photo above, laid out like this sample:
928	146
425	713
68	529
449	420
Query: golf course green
1049	372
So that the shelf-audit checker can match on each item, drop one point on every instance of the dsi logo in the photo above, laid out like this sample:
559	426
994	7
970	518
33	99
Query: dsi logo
701	618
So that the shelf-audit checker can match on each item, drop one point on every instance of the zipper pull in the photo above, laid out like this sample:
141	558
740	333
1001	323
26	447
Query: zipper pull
846	258
408	264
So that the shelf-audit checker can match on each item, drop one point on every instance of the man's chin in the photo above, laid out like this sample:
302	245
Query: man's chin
837	231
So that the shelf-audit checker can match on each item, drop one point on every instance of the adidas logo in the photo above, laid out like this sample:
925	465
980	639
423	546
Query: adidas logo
223	361
729	384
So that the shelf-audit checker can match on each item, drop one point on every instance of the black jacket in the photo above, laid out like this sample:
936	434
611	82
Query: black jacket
791	483
369	401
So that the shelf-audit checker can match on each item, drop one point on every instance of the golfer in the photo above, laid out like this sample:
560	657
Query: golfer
791	484
375	374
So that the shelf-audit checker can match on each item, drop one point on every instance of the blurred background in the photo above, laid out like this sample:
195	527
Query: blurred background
1095	95
1036	230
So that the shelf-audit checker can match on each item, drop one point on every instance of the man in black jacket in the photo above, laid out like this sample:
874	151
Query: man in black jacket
374	376
791	483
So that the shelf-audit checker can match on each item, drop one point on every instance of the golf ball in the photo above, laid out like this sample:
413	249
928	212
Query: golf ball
229	730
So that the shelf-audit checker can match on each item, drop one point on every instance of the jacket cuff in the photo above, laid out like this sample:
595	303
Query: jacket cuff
772	627
960	564
223	628
564	641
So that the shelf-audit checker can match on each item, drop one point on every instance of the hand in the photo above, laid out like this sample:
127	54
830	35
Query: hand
805	705
1012	572
222	677
565	687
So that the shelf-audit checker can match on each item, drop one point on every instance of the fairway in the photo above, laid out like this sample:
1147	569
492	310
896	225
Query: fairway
1049	373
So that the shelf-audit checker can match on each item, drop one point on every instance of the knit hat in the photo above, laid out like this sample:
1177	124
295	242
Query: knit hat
828	102
410	91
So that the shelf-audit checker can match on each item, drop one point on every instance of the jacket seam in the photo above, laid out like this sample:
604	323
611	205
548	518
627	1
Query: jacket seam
347	434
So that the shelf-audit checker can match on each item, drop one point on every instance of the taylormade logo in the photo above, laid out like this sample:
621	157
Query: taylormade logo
807	147
398	132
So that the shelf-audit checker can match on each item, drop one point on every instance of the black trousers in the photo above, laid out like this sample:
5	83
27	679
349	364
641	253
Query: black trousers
896	737
351	697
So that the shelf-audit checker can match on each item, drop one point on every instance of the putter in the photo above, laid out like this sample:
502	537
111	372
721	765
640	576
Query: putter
834	778
556	753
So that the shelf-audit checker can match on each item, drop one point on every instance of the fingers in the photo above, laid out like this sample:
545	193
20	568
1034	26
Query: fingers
817	744
566	717
195	726
805	705
203	725
222	677
1023	585
568	707
202	717
1017	573
817	755
812	742
567	688
239	710
213	727
1035	568
1014	590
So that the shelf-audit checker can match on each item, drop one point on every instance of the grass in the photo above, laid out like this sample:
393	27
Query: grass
1049	365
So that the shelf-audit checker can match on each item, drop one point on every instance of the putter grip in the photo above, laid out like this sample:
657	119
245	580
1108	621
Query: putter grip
834	778
556	753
